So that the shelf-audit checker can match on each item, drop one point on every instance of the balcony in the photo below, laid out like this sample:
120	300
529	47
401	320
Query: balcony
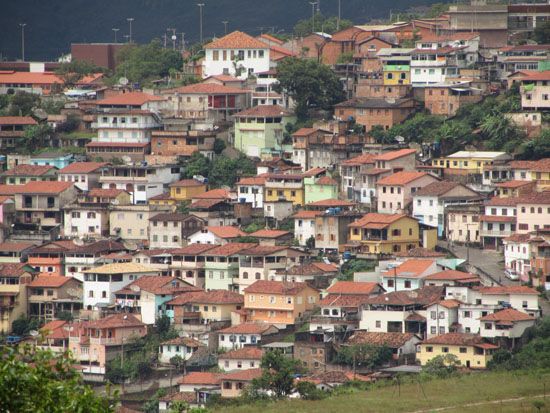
113	178
105	341
495	233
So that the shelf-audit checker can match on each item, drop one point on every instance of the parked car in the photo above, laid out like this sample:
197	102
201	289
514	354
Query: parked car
511	274
11	340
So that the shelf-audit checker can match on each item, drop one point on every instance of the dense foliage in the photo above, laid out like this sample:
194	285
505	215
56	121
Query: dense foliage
355	265
34	380
310	84
277	375
363	355
222	171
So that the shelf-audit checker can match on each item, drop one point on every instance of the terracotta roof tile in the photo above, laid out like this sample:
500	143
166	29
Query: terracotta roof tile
276	287
450	303
353	288
83	167
183	341
28	170
198	377
208	297
129	99
226	231
514	184
264	250
325	180
231	248
105	193
116	320
376	220
508	314
208	89
9	190
348	301
121	268
508	289
452	275
48	187
35	78
159	285
206	203
437	188
194	249
330	203
411	268
390	156
51	281
236	40
14	269
421	296
458	339
303	214
17	120
497	218
248	328
214	194
401	178
305	132
183	396
392	340
325	267
187	183
245	353
242	375
309	269
253	180
269	233
263	111
15	246
518	238
364	159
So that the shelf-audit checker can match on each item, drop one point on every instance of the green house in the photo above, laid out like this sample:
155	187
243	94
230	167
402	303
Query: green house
318	189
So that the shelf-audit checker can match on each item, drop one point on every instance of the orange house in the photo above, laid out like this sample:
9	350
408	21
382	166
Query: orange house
49	258
279	302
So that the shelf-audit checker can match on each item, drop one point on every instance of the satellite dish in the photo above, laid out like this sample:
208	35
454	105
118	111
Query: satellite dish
130	245
400	139
78	241
34	333
126	159
123	81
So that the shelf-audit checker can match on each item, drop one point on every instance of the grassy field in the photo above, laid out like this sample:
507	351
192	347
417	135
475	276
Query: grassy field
453	394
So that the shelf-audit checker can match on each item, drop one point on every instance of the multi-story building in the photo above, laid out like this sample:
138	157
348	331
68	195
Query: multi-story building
351	171
380	234
251	190
469	163
520	58
183	143
288	187
462	223
375	112
141	181
204	307
14	280
304	226
49	296
498	222
430	202
395	192
219	235
279	303
21	174
409	275
86	220
79	258
533	212
446	98
84	175
221	266
260	129
507	324
535	91
131	222
126	126
100	283
12	130
236	54
172	229
244	335
517	255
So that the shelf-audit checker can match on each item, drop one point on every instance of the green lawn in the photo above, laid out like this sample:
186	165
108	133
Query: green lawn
455	393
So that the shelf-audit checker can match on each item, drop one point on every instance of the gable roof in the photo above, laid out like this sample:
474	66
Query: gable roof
508	315
226	231
460	339
116	320
129	99
214	194
242	375
121	268
263	111
199	377
159	284
105	192
83	167
245	353
411	268
437	188
208	297
45	187
353	288
185	183
51	281
15	269
392	340
269	233
231	248
508	289
209	89
276	287
17	120
453	275
374	220
392	155
402	178
421	296
28	170
363	159
248	328
236	40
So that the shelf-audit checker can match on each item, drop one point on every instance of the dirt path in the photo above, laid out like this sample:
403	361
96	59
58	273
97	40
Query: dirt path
442	409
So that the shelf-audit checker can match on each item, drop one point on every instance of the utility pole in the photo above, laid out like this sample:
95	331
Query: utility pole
22	25
174	38
182	42
116	30
313	3
201	5
339	15
130	20
165	37
225	26
127	37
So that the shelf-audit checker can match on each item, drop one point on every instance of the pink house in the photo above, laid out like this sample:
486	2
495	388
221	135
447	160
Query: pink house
395	191
93	343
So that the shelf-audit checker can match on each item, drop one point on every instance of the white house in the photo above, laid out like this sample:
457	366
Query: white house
251	190
517	254
180	346
141	181
127	126
241	359
409	275
507	323
242	335
236	54
304	225
86	220
84	175
100	283
442	317
215	235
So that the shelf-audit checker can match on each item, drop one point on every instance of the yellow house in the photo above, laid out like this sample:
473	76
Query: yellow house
470	349
397	74
214	305
537	171
384	233
186	189
14	279
289	187
162	199
278	302
469	162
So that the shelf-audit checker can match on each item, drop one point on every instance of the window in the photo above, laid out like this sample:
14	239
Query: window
429	349
433	330
407	284
463	350
445	350
378	324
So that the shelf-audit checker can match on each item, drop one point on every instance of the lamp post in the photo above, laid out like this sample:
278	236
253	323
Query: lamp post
201	5
22	25
115	30
225	26
339	15
313	3
130	20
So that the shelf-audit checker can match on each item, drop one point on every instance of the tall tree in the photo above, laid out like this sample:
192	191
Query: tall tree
310	84
277	374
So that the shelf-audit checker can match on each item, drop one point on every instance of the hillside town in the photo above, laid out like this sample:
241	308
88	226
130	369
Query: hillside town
223	214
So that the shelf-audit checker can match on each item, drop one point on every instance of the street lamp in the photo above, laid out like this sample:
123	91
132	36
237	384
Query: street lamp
225	26
201	5
313	3
339	15
116	30
22	25
130	20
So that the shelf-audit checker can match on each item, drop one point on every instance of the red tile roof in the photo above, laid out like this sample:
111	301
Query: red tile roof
264	249
187	183
254	180
17	120
326	180
325	267
411	268
198	377
35	78
459	339
390	156
14	269
304	132
392	340
226	231
420	252
508	314
236	40
193	249
248	328
508	289
47	187
270	233
129	99
261	111
9	190
402	178
115	321
376	220
353	288
206	204
518	238
348	301
208	89
29	170
421	296
437	188
514	184
208	297
450	303
83	167
307	214
276	287
214	194
231	248
364	159
55	330
15	246
183	341
245	353
105	193
158	284
452	275
242	375
50	281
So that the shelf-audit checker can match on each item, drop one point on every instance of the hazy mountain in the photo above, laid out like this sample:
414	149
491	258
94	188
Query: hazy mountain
53	24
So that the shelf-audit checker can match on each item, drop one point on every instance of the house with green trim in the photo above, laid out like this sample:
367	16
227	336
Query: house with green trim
221	266
318	189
